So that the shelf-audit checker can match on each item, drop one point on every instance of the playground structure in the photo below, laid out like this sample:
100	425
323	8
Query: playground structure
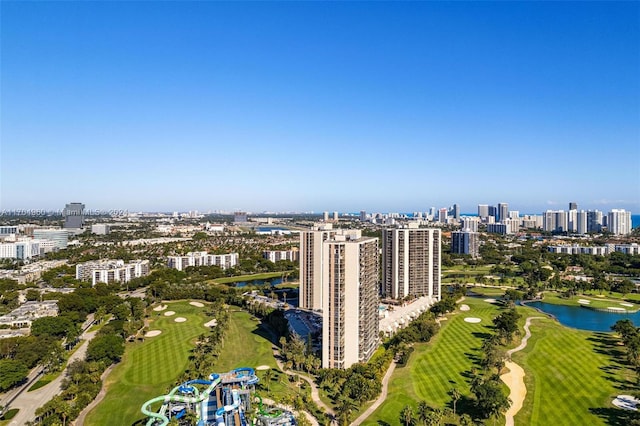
223	400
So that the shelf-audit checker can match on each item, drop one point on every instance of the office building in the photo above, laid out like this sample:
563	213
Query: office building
465	242
111	271
411	262
311	261
100	229
493	213
502	212
573	206
363	216
202	258
455	211
73	215
443	215
350	306
60	237
619	222
483	211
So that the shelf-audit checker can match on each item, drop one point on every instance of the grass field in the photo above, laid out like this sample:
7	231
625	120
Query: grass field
571	376
252	277
596	302
149	368
436	367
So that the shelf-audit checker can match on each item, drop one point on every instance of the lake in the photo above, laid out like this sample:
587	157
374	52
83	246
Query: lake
583	318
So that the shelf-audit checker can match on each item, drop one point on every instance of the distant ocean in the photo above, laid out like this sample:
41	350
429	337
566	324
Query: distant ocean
635	220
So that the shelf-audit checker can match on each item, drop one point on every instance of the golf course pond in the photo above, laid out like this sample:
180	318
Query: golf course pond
584	318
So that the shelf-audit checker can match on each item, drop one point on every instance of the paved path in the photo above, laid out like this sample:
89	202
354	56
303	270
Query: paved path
29	402
381	398
97	400
309	417
514	379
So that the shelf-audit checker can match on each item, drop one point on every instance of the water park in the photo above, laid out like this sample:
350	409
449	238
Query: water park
222	400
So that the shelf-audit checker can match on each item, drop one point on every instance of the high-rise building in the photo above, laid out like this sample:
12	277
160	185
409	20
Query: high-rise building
411	262
493	212
73	215
573	206
497	228
470	223
455	211
594	221
110	271
502	212
60	237
581	222
350	305
335	216
202	258
465	242
555	221
100	229
443	215
483	211
363	216
619	222
325	216
240	217
311	261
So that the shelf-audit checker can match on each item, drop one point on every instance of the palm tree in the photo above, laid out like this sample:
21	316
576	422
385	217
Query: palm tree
268	375
406	415
423	411
455	397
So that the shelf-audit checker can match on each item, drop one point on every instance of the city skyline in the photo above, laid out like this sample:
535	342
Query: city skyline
320	106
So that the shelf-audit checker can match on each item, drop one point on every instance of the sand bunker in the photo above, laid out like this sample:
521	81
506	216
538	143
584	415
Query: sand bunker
630	305
584	301
465	308
490	300
615	308
262	367
197	304
152	333
169	313
160	308
180	319
472	320
626	402
211	323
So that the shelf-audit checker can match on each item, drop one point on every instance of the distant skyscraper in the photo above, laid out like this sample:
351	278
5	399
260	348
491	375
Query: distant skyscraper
74	215
493	212
442	215
455	211
573	206
619	222
240	217
594	221
325	216
555	221
363	216
465	242
335	216
350	306
503	212
470	223
483	211
411	262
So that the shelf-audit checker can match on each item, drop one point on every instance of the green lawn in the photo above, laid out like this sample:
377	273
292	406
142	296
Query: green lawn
436	367
252	277
148	369
596	302
571	377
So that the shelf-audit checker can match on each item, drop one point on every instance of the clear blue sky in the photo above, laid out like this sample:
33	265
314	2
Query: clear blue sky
384	106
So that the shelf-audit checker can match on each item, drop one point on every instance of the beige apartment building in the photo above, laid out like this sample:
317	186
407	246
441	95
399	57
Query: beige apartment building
411	262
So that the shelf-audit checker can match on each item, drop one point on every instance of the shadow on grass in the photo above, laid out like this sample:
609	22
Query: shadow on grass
481	335
616	416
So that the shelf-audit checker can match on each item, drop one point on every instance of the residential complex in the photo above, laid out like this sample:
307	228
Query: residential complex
465	242
350	303
202	258
411	262
278	255
111	271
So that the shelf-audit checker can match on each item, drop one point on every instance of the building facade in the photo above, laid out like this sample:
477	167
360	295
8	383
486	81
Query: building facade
619	222
411	262
465	242
202	258
350	306
73	215
278	255
111	271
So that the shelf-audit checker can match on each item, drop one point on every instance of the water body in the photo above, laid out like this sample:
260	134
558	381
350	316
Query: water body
583	318
271	281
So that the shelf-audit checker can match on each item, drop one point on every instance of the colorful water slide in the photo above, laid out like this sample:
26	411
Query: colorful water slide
248	372
160	418
227	408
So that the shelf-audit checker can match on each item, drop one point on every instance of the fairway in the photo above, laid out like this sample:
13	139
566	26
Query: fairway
148	369
245	345
570	376
436	367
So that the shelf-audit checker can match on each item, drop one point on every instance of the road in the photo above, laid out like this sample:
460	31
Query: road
29	402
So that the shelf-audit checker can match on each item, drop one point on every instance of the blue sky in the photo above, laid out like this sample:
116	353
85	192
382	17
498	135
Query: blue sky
312	106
